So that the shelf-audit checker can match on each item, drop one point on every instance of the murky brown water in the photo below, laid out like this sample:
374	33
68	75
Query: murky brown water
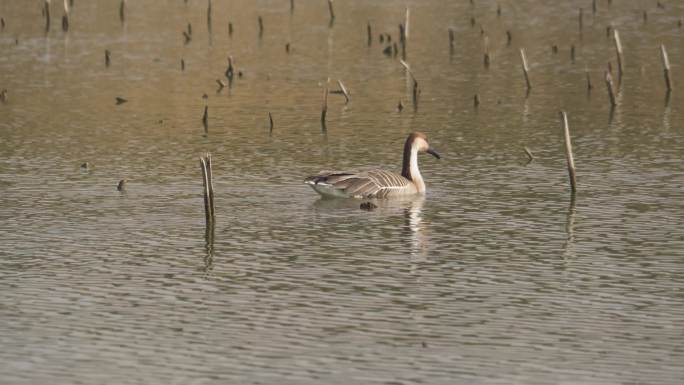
495	277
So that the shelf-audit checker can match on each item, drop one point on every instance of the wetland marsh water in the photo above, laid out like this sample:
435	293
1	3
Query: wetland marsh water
496	277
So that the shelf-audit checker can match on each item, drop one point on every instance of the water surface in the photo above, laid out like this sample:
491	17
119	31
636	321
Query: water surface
496	276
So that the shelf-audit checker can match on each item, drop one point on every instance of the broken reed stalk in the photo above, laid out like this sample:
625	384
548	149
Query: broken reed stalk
618	50
529	153
416	90
107	58
208	191
331	10
568	152
205	118
609	86
525	68
324	108
270	122
46	11
666	67
486	51
344	91
122	11
406	23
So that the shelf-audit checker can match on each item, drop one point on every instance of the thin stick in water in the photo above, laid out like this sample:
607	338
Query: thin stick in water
370	35
581	16
324	108
46	12
261	27
210	178
205	118
529	153
609	86
618	50
122	11
65	17
270	123
568	152
208	215
344	91
666	67
406	23
331	10
589	86
525	68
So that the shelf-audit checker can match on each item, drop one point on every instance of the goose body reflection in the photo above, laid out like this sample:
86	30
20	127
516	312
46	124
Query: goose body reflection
377	183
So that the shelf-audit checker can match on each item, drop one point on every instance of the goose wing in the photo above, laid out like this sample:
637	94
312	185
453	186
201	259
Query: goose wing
367	184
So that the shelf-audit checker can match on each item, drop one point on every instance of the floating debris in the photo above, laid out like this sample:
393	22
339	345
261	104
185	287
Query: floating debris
120	100
221	85
122	185
85	165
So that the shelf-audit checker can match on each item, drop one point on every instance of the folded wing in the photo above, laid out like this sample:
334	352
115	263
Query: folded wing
367	184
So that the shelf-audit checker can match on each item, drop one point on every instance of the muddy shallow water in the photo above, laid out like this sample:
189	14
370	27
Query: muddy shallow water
496	276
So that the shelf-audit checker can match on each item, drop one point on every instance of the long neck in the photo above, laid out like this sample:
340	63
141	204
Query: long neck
409	169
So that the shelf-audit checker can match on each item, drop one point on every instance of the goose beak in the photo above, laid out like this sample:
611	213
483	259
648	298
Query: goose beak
434	153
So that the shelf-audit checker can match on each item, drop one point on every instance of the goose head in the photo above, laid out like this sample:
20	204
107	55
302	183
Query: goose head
419	142
415	143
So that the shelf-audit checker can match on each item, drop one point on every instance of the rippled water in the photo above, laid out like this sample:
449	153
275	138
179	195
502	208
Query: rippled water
496	276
